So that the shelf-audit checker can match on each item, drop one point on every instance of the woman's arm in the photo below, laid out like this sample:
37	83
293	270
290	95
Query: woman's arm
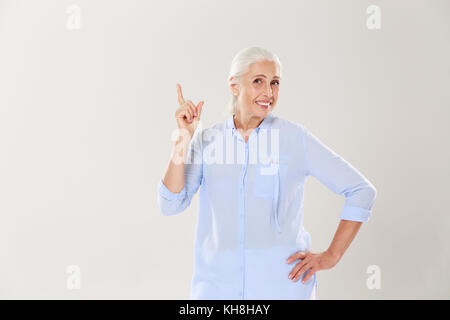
182	178
183	175
187	117
343	179
344	235
339	176
174	177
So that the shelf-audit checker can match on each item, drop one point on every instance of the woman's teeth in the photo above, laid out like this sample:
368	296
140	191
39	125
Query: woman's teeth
264	104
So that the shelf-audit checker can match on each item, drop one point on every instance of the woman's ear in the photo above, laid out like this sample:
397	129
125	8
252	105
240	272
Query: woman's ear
234	89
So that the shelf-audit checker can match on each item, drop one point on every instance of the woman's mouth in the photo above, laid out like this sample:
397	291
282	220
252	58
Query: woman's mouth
264	104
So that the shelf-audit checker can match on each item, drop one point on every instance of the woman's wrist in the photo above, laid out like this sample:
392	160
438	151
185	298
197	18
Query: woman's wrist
334	254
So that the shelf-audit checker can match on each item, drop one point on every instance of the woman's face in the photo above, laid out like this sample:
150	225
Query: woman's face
258	87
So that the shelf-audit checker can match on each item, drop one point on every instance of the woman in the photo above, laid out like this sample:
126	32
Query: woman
250	242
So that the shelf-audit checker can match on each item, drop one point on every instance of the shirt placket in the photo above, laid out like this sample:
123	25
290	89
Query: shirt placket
242	188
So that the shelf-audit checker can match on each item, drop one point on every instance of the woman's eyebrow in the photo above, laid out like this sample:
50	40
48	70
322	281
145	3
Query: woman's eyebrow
261	75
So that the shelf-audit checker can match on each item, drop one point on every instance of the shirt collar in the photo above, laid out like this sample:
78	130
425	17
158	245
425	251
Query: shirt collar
263	125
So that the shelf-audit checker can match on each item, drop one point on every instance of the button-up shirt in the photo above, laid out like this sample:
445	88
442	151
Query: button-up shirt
251	206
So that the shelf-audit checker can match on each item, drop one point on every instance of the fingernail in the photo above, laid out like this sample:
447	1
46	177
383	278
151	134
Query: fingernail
290	276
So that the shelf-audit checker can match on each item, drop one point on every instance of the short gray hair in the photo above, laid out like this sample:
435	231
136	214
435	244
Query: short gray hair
240	65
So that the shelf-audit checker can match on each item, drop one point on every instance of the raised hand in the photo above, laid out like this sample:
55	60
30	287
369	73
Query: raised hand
187	115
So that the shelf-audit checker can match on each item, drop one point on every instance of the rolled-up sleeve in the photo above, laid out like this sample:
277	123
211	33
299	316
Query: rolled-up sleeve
171	203
340	177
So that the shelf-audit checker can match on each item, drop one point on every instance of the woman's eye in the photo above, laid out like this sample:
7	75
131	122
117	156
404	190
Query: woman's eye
275	82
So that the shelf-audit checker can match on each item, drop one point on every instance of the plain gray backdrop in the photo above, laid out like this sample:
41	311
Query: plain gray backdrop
86	118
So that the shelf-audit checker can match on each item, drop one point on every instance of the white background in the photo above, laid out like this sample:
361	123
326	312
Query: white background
86	118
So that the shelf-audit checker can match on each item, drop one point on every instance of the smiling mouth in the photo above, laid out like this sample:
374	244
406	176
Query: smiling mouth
263	105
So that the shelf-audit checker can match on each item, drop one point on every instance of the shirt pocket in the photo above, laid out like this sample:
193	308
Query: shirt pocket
269	175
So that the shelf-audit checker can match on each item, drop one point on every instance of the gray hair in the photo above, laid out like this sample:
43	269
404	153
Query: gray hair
240	65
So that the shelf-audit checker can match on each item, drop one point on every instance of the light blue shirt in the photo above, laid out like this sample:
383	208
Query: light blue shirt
250	211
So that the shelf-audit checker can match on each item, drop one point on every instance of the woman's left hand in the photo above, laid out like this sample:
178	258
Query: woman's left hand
312	262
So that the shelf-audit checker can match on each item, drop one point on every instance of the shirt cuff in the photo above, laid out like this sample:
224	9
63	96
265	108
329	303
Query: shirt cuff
169	195
355	214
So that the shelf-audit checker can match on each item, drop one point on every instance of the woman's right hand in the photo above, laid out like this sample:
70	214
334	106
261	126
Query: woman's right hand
187	115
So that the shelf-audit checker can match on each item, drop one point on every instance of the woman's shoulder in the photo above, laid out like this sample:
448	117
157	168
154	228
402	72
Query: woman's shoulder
289	124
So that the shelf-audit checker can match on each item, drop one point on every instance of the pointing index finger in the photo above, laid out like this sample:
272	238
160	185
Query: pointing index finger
180	95
199	108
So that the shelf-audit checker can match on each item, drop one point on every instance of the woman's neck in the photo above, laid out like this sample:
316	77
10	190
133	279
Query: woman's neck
246	122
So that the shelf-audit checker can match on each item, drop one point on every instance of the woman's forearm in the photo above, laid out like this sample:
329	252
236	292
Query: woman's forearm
344	235
174	176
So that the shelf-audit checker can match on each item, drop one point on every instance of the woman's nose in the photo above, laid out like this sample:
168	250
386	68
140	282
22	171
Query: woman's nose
268	90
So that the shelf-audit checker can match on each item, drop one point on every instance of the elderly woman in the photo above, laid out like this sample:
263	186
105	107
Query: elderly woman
250	241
